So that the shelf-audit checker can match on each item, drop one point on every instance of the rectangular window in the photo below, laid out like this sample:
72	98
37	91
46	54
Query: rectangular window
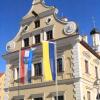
37	38
26	42
38	69
88	95
96	72
38	98
59	65
60	97
37	23
17	72
86	67
49	35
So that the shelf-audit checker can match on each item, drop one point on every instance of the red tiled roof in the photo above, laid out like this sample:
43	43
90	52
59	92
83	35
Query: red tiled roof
1	74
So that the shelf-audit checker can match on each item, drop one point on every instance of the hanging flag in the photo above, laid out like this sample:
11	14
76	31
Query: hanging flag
22	68
30	65
49	63
26	65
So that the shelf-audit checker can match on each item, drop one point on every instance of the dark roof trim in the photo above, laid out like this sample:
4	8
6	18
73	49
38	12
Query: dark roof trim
94	31
89	48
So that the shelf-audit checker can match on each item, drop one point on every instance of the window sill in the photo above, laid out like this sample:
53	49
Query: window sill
50	39
37	77
25	47
36	44
87	74
60	73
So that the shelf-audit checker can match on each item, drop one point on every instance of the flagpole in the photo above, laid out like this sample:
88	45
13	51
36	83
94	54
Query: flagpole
56	72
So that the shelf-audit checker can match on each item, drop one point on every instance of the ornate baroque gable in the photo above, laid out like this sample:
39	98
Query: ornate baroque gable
39	20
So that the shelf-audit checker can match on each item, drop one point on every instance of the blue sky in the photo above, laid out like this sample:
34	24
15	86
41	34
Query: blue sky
12	11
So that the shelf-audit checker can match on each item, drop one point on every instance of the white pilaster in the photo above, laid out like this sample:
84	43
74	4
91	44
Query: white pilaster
7	82
22	43
77	72
33	39
33	72
15	74
45	36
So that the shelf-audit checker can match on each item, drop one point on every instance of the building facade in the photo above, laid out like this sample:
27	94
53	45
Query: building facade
2	78
78	64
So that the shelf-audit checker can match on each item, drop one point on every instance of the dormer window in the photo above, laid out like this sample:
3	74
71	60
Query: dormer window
37	23
37	38
26	42
34	13
49	35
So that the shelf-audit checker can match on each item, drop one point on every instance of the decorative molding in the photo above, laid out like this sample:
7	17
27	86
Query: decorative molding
37	31
77	72
86	54
36	95
41	15
76	61
6	83
44	84
78	90
96	61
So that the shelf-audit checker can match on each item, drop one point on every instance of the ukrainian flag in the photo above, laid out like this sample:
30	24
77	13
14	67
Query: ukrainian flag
49	62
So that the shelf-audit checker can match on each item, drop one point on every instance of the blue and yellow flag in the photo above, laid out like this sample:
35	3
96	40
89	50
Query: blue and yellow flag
49	62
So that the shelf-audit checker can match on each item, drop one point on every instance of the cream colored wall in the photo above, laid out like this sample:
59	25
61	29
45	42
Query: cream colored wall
91	76
67	89
67	67
87	86
57	30
67	74
38	8
66	55
89	79
2	87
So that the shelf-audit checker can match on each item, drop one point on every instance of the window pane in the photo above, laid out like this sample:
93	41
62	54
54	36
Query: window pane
96	72
38	69
49	35
26	42
60	98
37	23
17	72
88	95
86	66
38	98
59	65
37	38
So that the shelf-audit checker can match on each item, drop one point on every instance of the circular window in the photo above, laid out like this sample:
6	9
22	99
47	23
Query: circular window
26	27
48	20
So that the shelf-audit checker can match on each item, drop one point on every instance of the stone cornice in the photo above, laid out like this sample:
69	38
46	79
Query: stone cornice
44	84
41	15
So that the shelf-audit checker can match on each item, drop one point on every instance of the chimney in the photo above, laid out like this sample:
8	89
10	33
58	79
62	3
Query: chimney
96	39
